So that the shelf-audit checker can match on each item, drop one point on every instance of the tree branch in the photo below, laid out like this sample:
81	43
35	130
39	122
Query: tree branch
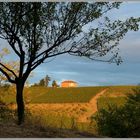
7	76
8	69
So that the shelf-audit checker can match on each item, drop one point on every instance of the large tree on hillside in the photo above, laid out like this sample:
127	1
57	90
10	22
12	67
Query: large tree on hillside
38	31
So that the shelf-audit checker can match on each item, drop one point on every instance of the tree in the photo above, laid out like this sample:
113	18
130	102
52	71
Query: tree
41	82
38	31
54	84
138	84
44	81
10	65
47	80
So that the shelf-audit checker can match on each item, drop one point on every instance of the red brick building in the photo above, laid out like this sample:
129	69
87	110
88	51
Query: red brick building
69	83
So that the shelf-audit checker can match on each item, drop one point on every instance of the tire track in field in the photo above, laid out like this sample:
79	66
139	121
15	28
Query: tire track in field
93	107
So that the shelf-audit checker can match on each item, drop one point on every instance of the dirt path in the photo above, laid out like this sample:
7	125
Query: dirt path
93	101
92	107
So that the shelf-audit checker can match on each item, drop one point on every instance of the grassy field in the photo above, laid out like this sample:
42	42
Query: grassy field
63	95
53	95
119	90
115	95
8	95
104	102
59	115
62	121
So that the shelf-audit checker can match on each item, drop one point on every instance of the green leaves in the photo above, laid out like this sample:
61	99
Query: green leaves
104	39
121	122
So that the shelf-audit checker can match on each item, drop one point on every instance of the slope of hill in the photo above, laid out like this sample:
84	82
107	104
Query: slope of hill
119	90
63	95
67	108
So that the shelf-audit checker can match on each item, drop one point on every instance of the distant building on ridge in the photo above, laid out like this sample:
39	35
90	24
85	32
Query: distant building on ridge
69	83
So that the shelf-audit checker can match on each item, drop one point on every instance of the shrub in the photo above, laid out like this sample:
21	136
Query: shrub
6	86
121	121
5	112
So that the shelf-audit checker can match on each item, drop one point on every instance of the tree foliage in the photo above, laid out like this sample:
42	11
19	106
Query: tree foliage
7	66
54	83
44	82
47	80
121	122
41	82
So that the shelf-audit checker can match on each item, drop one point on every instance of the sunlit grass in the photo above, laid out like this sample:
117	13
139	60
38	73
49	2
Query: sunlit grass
105	102
64	95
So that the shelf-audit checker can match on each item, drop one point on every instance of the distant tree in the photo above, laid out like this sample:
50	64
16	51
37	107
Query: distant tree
47	80
44	81
41	82
38	31
54	84
35	84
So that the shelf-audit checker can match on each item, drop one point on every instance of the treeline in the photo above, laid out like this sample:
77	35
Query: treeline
46	81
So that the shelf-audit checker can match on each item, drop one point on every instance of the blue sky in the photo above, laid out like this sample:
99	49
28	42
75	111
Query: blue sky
91	73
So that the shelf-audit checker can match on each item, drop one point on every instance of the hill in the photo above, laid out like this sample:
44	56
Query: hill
119	90
66	108
63	95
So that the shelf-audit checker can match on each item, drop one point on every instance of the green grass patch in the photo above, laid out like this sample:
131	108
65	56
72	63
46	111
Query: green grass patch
52	95
124	90
7	95
105	102
63	95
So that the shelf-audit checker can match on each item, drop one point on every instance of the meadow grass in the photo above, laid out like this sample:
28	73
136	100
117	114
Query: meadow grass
7	95
63	95
63	121
122	90
52	95
40	94
60	118
105	102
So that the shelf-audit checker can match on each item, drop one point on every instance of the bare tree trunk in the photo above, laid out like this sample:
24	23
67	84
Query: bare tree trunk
20	102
